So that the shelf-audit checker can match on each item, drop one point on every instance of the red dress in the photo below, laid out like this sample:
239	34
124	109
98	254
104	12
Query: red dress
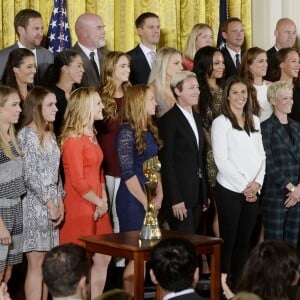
82	158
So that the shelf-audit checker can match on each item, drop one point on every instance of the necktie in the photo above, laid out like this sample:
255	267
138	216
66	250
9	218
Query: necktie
92	59
151	55
237	61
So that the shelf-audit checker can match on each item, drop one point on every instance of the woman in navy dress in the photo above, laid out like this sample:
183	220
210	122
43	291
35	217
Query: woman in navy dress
137	141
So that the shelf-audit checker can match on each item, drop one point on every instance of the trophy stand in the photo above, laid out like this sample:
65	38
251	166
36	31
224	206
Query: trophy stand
150	229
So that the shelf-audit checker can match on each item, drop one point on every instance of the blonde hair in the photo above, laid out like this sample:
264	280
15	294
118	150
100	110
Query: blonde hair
32	112
134	113
107	87
158	75
190	49
79	113
276	87
5	92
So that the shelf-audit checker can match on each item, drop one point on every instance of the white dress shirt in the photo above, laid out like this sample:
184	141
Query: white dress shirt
87	53
190	118
148	53
240	158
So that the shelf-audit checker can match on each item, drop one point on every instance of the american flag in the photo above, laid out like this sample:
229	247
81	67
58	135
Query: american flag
224	15
58	36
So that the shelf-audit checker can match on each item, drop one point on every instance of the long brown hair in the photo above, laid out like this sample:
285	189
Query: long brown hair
5	92
247	60
227	112
107	86
133	112
32	112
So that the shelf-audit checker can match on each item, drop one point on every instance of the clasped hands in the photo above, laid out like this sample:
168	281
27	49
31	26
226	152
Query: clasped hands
292	197
251	190
101	209
56	213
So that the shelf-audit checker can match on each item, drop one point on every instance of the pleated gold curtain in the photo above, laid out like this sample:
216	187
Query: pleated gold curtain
177	18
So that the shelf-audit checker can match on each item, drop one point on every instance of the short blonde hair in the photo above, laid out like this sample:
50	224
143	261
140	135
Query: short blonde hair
276	87
178	79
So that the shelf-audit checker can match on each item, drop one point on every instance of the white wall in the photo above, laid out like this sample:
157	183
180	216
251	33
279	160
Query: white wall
265	14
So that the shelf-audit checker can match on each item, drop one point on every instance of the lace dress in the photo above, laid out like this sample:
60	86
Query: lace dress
130	211
211	170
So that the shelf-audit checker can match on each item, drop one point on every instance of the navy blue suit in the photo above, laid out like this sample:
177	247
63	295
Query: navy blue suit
139	66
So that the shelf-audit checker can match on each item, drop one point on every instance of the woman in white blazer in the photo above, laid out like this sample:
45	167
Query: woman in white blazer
240	159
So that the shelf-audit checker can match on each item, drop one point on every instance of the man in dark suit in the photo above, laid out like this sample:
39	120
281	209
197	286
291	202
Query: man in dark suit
148	29
90	32
29	26
233	33
183	173
173	265
285	37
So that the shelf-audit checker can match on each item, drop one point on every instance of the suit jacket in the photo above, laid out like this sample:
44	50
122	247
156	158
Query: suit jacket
230	68
190	296
43	56
271	55
282	157
139	66
90	77
181	160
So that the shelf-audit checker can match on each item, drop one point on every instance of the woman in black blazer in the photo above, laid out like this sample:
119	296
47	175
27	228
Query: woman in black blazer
182	171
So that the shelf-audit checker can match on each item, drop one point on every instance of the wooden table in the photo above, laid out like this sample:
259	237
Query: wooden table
129	246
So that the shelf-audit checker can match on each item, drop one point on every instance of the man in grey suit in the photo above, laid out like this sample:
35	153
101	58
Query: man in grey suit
29	26
90	31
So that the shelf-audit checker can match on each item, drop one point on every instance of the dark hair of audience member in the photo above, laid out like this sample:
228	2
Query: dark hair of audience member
271	268
174	262
63	267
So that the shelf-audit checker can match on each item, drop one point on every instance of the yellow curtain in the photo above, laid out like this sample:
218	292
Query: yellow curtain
177	18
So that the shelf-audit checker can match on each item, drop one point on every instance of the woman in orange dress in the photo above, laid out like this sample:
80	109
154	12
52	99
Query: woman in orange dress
86	200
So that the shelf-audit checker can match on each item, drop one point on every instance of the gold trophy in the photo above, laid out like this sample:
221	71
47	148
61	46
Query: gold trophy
150	229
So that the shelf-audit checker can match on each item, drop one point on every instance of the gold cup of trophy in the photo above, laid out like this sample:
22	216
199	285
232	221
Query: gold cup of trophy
150	229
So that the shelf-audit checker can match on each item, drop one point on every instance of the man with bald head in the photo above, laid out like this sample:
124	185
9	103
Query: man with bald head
285	37
90	31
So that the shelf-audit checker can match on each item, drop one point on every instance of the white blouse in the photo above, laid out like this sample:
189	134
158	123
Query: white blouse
266	106
240	158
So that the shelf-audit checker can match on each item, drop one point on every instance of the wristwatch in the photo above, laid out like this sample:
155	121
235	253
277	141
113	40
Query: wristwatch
293	188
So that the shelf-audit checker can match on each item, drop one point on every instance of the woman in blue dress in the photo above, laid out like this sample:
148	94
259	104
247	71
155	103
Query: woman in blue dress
137	141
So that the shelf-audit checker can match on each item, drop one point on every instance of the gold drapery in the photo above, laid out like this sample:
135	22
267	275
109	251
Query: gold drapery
177	18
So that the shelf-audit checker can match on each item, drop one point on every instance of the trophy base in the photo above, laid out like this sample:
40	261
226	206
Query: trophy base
149	232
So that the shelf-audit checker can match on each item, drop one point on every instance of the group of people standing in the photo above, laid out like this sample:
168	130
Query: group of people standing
75	166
